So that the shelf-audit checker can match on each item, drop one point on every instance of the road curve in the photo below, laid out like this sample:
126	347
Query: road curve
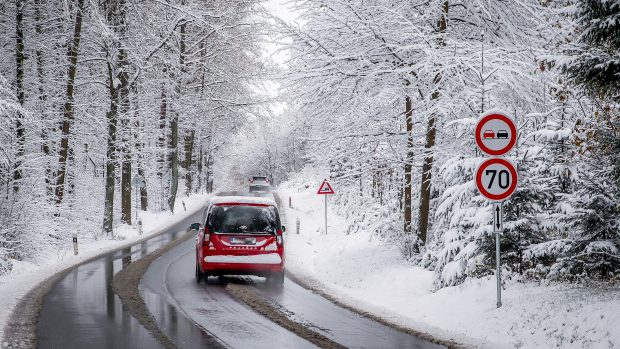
82	310
210	306
213	308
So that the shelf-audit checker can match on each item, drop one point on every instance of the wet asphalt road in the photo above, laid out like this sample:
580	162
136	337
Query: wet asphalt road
236	325
82	310
210	305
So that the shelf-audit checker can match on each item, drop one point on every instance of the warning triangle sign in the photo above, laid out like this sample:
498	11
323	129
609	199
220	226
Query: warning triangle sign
326	188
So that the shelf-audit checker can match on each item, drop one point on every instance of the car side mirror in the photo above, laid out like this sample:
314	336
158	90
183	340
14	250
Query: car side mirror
283	229
195	226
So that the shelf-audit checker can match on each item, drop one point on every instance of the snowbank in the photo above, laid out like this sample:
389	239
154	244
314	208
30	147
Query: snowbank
369	274
26	275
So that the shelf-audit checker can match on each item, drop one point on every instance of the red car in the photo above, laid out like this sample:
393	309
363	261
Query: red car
488	134
240	235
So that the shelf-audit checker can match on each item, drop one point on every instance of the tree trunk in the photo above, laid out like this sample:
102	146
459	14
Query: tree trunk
144	198
187	163
174	160
161	144
45	141
116	17
174	125
139	147
199	168
68	114
408	165
123	94
20	60
110	173
427	166
126	143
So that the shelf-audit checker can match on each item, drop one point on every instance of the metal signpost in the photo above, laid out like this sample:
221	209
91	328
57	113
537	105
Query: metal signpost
496	178
325	189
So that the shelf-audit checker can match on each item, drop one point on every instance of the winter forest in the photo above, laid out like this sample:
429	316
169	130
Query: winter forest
380	95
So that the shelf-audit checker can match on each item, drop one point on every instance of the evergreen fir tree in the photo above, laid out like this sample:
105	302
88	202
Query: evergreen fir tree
592	249
595	250
524	216
593	60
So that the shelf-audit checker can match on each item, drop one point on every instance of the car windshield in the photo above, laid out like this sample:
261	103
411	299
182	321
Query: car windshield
243	219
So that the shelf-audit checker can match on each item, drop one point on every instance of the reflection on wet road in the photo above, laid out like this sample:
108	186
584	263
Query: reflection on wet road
82	310
171	277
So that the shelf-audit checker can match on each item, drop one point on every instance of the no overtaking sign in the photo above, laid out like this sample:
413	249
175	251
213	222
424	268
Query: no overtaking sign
496	134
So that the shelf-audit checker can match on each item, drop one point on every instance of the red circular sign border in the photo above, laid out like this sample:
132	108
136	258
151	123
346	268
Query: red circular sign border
511	125
511	189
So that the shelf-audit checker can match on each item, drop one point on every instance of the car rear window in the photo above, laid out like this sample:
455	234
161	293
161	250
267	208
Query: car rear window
259	188
244	219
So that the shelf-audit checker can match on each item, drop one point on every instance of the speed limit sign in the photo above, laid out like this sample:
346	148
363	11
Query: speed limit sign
496	179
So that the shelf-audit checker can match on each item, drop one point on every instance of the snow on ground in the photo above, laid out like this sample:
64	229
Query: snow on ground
369	274
26	275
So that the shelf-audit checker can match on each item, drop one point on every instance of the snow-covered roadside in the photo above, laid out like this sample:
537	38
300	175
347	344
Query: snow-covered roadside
368	274
26	275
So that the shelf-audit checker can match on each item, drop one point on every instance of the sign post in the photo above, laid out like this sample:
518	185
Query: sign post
496	178
325	189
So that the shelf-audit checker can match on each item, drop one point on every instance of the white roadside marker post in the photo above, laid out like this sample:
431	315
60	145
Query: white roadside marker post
75	244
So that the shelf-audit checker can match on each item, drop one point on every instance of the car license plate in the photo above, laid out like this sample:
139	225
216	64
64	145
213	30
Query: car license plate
243	241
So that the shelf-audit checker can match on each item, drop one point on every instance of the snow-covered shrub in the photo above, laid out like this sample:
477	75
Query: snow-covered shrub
5	265
462	220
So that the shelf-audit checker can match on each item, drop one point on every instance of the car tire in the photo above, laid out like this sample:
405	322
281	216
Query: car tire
276	279
199	274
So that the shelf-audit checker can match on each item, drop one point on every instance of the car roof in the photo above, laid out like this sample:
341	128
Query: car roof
241	199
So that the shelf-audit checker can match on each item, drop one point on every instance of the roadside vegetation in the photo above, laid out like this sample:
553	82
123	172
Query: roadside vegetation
95	93
383	98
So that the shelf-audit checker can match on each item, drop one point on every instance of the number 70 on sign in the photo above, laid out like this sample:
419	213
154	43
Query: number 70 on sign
496	179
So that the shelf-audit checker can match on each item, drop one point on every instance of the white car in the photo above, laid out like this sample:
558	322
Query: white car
260	184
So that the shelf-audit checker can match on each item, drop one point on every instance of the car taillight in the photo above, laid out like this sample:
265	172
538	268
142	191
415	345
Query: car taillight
279	239
207	238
